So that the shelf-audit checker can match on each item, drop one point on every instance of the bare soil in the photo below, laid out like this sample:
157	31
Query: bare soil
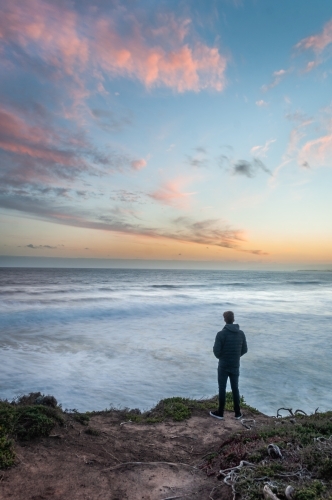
125	461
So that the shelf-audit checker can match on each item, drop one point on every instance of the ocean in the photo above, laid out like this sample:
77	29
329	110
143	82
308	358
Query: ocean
96	338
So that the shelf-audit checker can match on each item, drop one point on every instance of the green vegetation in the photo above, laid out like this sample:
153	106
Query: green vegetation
305	443
82	418
23	421
179	409
7	455
311	492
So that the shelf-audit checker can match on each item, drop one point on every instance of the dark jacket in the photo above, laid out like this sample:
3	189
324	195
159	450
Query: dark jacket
229	346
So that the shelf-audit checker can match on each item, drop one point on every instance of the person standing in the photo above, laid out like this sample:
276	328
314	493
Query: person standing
230	344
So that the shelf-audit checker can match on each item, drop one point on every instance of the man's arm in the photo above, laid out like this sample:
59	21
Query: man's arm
244	345
219	344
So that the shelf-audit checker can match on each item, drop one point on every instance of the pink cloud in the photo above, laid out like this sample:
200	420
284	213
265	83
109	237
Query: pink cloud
171	194
155	57
170	27
317	42
138	164
45	153
18	137
317	152
181	68
48	28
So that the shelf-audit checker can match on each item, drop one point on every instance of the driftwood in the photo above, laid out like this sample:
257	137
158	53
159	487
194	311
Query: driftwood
290	410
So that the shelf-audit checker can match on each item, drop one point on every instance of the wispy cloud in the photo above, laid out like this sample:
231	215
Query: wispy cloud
171	193
33	153
39	154
244	167
249	169
277	77
207	232
38	247
261	151
109	121
199	159
185	229
297	135
210	232
126	196
261	103
297	116
317	152
318	42
138	164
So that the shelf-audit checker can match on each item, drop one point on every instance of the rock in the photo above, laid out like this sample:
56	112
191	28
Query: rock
290	492
268	493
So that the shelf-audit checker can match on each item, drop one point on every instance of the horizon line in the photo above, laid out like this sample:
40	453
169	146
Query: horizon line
9	261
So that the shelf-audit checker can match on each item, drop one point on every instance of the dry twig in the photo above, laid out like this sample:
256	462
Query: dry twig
286	409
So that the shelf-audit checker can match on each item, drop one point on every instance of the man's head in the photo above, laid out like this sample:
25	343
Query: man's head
228	317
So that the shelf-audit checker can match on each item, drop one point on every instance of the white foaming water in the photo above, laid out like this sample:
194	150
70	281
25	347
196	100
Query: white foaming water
93	337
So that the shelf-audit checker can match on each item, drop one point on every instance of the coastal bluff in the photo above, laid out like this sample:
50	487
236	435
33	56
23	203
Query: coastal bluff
174	451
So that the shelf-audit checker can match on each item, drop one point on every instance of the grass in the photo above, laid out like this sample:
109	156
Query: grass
82	418
23	421
179	409
306	462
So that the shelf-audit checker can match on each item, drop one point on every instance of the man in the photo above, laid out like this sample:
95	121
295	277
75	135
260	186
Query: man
229	346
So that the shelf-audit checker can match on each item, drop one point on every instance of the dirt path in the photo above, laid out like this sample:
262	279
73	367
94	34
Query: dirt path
75	465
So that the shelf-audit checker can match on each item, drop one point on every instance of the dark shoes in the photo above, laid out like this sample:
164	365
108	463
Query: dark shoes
217	414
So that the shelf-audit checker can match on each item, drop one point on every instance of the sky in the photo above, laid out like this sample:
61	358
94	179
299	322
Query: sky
167	130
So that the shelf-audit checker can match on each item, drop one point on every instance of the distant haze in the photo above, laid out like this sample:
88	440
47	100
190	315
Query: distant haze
70	263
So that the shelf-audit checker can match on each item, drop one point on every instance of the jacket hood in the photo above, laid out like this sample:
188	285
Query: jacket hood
233	328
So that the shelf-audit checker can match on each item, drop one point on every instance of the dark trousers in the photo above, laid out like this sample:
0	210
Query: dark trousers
222	382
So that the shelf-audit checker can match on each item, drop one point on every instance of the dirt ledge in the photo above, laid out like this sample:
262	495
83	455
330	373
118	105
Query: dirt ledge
121	460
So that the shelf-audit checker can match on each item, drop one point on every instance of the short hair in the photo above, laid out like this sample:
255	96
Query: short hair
229	317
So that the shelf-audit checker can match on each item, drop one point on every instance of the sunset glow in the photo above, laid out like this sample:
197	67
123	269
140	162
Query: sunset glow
167	131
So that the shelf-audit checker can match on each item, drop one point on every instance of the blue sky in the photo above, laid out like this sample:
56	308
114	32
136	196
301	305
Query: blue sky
167	130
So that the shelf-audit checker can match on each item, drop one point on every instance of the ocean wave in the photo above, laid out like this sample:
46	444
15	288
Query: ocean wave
311	282
41	291
58	314
202	285
165	286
